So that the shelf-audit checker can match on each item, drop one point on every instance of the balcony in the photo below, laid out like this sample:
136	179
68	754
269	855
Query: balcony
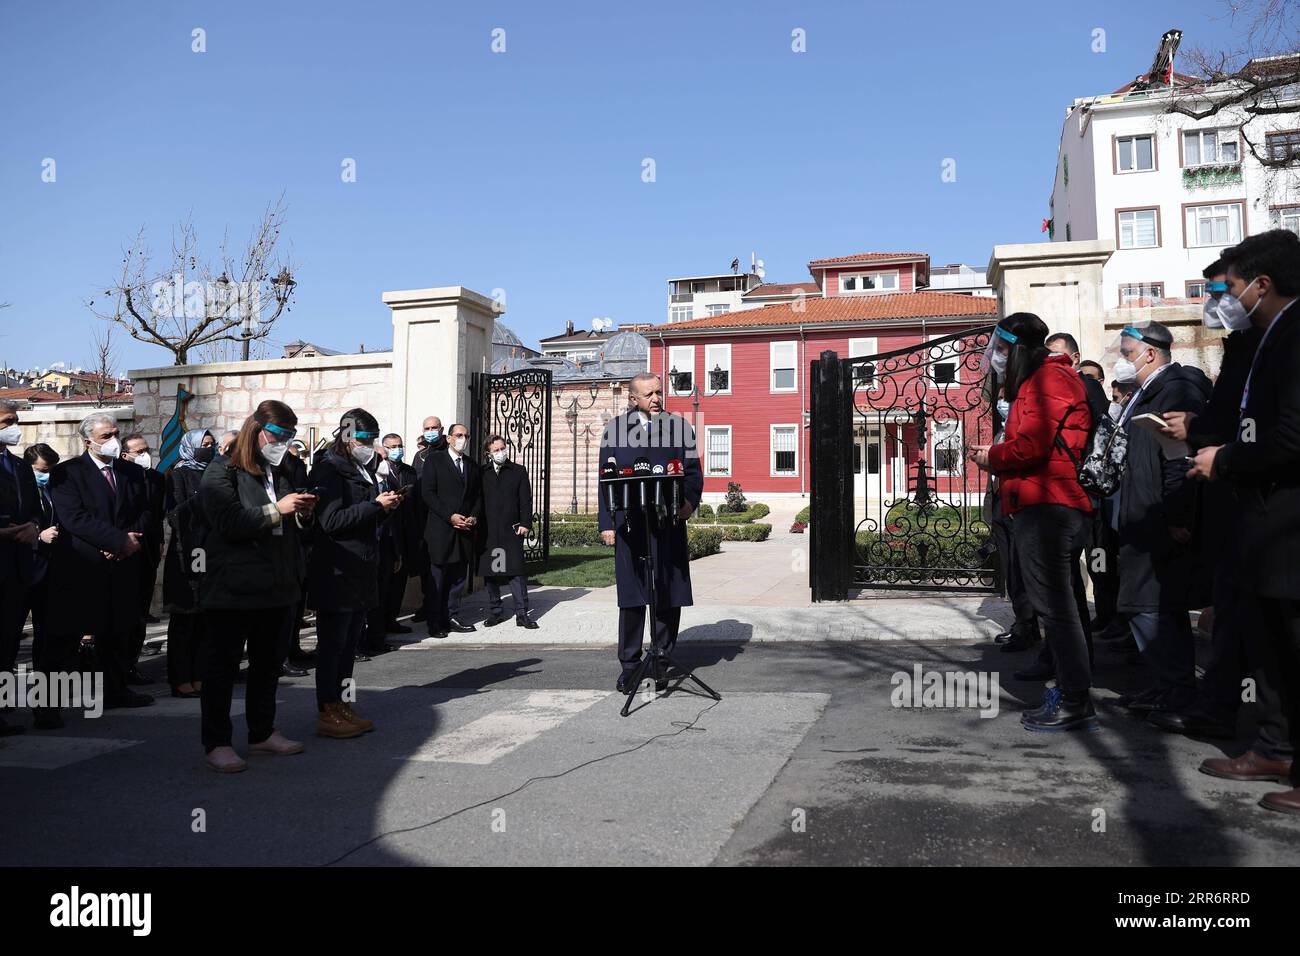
681	297
1212	174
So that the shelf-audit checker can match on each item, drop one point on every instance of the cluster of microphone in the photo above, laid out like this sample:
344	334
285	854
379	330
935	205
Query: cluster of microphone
640	474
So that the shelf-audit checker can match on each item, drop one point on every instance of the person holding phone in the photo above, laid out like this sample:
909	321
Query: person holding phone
343	571
250	584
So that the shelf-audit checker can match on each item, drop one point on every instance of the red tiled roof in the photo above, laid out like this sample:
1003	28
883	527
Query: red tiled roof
49	395
879	307
867	257
1180	79
782	288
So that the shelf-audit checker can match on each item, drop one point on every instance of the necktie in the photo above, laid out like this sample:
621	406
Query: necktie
460	466
108	474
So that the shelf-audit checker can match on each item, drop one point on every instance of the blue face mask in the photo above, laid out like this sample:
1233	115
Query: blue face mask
395	454
432	434
42	478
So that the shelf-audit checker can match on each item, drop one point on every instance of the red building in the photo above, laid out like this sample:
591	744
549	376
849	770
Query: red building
751	368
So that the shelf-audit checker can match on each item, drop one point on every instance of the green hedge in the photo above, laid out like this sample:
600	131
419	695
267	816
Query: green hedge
701	541
704	512
574	519
573	533
744	532
804	515
752	513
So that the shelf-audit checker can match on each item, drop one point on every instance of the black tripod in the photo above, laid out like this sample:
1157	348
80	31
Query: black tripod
657	660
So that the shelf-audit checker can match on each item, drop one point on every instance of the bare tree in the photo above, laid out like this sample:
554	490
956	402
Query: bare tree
102	366
193	305
1259	77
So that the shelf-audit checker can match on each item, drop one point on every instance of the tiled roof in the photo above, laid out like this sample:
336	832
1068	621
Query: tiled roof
781	288
49	395
1180	79
878	307
867	257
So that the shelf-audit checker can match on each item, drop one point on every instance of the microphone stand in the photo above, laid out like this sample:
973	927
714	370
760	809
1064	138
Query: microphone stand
656	660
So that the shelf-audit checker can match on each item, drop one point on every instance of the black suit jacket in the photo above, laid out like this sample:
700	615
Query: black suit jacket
1265	471
446	493
19	504
507	501
98	595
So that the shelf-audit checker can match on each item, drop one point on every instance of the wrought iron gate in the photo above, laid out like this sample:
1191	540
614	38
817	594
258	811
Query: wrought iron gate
517	406
895	501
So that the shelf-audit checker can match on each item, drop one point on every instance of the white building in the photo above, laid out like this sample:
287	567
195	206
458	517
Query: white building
697	297
1169	190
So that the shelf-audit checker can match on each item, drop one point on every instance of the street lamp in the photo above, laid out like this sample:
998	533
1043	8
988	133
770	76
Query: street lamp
717	383
571	410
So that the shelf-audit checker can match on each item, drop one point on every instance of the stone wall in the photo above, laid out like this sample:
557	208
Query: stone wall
57	426
318	389
581	456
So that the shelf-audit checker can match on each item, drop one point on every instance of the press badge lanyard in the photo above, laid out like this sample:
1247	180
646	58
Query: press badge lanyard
1245	392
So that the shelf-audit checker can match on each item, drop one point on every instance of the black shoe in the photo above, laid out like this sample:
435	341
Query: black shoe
360	657
129	699
527	622
1002	638
1142	702
460	628
494	619
47	720
1051	700
394	628
1037	671
1194	722
1020	641
437	635
419	616
1059	714
624	685
135	679
288	669
299	656
1116	630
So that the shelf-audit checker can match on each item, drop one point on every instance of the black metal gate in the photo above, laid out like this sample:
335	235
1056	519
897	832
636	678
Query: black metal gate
517	406
895	501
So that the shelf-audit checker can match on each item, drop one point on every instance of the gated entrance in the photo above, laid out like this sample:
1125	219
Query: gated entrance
517	406
895	502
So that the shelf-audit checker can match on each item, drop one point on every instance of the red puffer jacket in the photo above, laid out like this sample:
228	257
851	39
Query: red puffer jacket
1031	468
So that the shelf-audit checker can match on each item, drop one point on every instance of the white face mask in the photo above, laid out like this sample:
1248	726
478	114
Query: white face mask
458	444
1004	409
10	435
274	453
108	450
144	461
999	362
499	457
1210	314
1115	410
1232	313
363	454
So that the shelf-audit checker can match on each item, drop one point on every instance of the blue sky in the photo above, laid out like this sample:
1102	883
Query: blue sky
522	170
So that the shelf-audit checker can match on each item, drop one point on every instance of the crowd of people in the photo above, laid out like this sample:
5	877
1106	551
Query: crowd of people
1180	494
263	534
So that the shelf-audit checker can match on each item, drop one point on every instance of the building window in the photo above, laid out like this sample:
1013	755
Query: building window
869	282
1135	293
680	313
719	309
1213	224
1138	228
717	369
865	372
1209	147
1287	217
1135	154
681	358
947	447
1065	170
717	450
1283	146
783	357
1195	288
785	455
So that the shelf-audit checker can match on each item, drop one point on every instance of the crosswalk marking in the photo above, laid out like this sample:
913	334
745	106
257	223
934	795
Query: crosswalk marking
47	752
494	735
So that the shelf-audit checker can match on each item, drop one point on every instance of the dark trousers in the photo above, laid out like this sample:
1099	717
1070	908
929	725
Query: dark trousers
1228	662
1045	540
1026	621
448	582
376	626
187	648
14	599
265	631
631	632
337	634
518	590
395	595
148	578
38	597
1102	557
1277	686
1165	639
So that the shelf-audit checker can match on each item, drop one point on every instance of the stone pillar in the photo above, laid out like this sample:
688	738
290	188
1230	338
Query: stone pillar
1060	282
440	337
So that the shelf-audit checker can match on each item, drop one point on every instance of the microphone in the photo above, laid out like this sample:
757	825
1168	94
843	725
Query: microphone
607	471
675	469
641	469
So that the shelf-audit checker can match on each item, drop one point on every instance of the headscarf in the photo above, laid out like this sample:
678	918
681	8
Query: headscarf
191	441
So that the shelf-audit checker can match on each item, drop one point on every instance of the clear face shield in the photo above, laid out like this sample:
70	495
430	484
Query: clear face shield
995	356
1123	358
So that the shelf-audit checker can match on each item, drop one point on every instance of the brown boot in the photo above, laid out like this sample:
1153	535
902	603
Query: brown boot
1284	801
352	717
1250	766
330	722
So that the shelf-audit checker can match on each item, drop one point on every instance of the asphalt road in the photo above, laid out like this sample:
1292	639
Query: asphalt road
516	754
